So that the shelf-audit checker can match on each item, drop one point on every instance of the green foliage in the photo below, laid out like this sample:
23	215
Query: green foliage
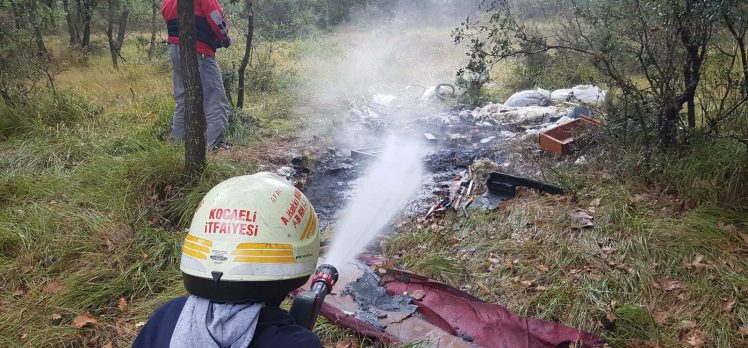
708	171
265	74
619	44
64	108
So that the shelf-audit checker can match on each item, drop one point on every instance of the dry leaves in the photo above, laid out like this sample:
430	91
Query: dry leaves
581	219
24	336
346	344
696	263
668	285
687	324
418	295
122	304
727	306
660	316
695	338
52	288
728	228
55	316
84	319
108	344
743	330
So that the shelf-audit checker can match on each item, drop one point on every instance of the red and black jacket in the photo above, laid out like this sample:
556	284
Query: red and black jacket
211	29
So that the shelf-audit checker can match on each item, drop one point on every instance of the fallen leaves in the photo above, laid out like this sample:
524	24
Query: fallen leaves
660	316
346	344
734	230
687	324
696	263
122	304
727	306
84	319
20	292
52	288
55	316
695	338
581	219
668	285
743	330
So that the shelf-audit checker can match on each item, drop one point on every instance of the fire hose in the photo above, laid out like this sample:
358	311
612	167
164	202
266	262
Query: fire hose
307	304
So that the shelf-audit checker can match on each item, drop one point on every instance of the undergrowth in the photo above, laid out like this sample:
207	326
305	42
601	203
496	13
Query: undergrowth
93	205
664	263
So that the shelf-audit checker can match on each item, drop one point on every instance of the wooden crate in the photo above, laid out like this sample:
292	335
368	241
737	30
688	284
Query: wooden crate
561	139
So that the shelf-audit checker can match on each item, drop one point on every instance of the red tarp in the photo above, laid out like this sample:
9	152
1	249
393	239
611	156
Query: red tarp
449	317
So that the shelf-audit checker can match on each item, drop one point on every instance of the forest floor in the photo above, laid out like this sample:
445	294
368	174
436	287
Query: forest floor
92	215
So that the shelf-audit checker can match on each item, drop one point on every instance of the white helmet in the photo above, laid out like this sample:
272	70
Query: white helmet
253	238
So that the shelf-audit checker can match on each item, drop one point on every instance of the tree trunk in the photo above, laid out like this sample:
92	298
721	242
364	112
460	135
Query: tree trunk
72	29
121	29
247	53
86	39
194	144
669	124
87	14
78	20
154	29
36	24
49	21
110	34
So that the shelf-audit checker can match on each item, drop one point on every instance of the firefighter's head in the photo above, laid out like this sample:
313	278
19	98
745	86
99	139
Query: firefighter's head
253	238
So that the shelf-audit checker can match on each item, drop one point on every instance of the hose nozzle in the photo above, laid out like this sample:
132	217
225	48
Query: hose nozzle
307	304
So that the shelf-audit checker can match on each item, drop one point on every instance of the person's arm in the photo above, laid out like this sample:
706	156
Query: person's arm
217	21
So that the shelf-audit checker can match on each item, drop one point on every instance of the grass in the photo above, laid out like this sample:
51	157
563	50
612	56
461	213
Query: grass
528	258
92	206
92	212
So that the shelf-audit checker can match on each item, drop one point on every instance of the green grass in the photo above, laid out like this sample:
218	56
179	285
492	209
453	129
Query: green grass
93	202
526	257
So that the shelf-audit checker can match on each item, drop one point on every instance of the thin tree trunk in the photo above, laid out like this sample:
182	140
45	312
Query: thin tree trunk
78	20
110	34
72	29
669	124
154	29
87	13
194	145
49	21
247	53
86	39
121	29
36	23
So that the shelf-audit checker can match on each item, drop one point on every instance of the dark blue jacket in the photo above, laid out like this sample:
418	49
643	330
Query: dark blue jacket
275	328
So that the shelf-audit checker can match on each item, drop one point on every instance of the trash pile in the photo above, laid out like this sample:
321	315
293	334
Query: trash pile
468	157
540	110
463	147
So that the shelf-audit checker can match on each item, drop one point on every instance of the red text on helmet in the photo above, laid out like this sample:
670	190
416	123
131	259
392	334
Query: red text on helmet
296	210
232	214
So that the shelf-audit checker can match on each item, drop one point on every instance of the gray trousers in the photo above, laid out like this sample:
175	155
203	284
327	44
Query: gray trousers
215	104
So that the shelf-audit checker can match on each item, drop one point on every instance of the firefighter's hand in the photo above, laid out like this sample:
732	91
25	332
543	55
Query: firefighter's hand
227	41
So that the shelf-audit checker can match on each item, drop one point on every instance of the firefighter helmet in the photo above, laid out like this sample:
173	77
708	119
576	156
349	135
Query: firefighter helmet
253	238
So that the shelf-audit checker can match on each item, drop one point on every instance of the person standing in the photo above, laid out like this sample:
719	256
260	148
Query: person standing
212	33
